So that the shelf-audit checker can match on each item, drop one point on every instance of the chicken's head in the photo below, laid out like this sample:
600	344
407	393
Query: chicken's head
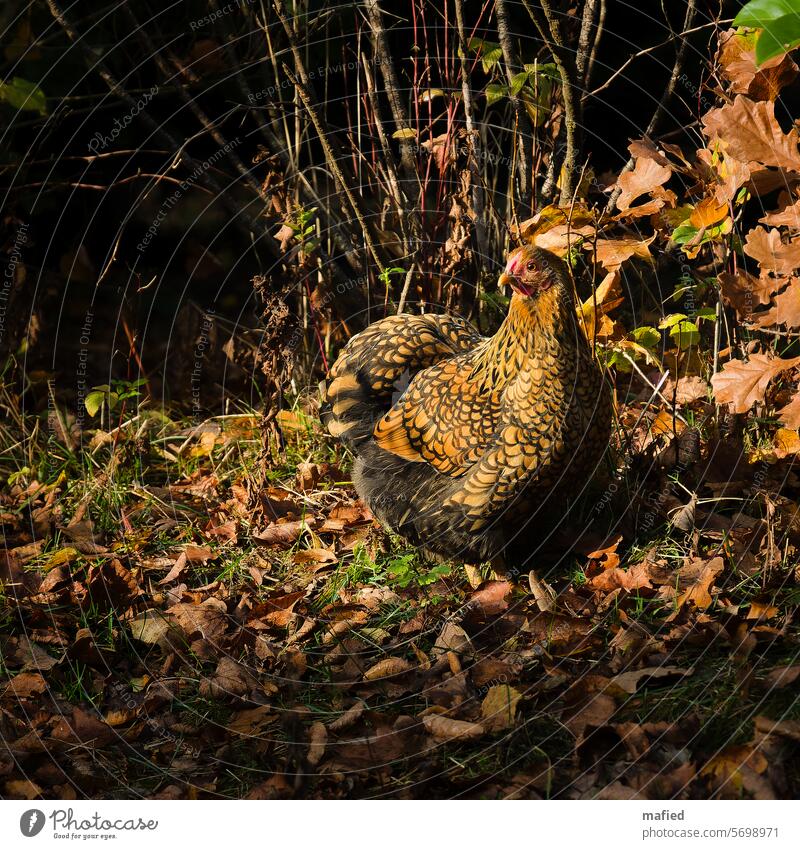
530	271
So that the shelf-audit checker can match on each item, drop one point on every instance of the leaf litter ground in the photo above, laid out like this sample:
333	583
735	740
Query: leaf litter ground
173	625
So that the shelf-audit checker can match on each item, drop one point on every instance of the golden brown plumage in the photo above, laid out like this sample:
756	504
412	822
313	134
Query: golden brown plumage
491	433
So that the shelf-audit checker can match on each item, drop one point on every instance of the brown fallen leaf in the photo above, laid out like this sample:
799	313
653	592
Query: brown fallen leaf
737	58
22	788
284	533
645	176
444	729
349	717
388	668
24	686
698	593
594	712
177	570
317	741
635	577
316	556
628	682
112	585
150	626
226	531
771	253
453	638
785	309
208	620
499	707
783	676
744	383
84	729
229	679
787	216
611	253
491	599
744	292
250	723
790	414
750	132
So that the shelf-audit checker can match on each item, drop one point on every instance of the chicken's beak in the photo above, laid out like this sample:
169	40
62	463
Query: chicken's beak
507	280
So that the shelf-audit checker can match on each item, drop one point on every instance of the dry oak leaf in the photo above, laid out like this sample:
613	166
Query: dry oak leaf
742	384
284	533
627	683
749	131
786	309
611	253
561	237
790	414
787	216
112	585
646	175
737	58
230	679
177	570
25	685
687	390
150	626
491	599
772	254
699	592
782	676
453	638
499	707
388	668
207	620
445	729
645	148
251	722
349	717
744	291
84	729
636	577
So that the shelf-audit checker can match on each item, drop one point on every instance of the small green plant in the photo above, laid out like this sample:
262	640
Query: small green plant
111	396
386	275
403	571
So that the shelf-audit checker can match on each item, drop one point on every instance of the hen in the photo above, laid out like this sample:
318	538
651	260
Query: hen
491	434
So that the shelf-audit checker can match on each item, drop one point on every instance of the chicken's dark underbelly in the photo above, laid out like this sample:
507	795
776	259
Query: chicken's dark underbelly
408	498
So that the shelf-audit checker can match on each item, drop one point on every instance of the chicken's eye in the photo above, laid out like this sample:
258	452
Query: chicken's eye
531	266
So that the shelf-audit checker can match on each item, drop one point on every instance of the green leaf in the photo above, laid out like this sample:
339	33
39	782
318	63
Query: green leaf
647	337
672	320
490	52
684	233
778	37
705	314
430	94
93	402
757	13
20	94
495	92
543	69
685	334
517	82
